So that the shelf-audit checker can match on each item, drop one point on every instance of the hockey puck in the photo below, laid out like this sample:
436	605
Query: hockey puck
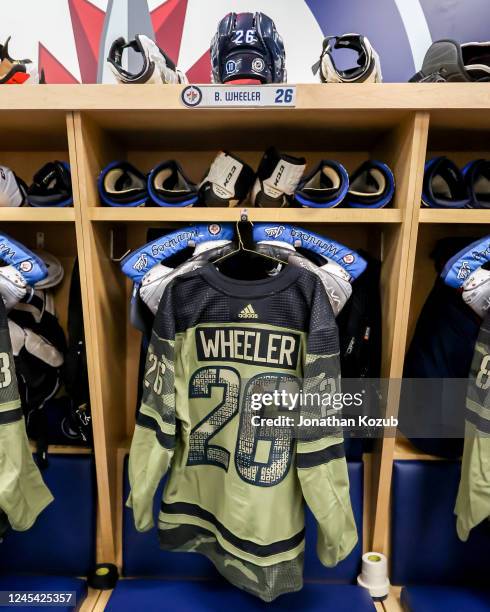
103	577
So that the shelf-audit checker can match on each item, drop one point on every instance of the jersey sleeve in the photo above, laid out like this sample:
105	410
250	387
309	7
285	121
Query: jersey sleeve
320	457
473	500
23	494
153	442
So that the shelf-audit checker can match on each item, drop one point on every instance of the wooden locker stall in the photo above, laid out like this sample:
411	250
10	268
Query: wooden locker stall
146	137
462	135
400	124
31	138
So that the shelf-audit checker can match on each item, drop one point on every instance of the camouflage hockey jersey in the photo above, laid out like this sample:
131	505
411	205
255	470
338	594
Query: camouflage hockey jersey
473	501
23	494
236	491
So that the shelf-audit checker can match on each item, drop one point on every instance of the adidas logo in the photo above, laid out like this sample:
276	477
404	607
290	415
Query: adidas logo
248	313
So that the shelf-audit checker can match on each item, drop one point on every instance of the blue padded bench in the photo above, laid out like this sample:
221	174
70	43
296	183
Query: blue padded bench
438	571
189	582
61	544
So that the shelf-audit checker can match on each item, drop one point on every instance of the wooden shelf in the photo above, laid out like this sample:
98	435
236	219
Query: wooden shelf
378	97
405	451
62	449
284	215
27	214
463	215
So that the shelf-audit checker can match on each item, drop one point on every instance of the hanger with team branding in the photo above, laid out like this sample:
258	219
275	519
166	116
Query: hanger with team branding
22	259
465	262
143	259
299	237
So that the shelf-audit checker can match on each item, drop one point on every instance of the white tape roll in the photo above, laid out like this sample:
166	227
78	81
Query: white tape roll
374	575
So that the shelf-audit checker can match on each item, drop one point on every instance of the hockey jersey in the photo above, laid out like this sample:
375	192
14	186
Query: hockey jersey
473	501
235	490
23	494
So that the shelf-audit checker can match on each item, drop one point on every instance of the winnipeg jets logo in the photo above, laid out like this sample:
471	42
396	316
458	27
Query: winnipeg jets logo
274	232
348	259
464	271
26	266
191	95
214	229
141	263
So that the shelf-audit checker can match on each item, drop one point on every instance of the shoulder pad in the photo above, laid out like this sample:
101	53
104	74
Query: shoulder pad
25	261
464	263
348	259
140	261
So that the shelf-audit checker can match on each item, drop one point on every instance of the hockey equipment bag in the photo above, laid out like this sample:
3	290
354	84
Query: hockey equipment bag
227	182
157	66
247	46
51	186
448	61
477	177
17	72
13	286
12	189
305	240
121	184
324	187
372	185
22	259
169	186
444	185
366	70
278	176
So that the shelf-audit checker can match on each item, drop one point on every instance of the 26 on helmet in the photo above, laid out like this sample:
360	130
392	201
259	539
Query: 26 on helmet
247	46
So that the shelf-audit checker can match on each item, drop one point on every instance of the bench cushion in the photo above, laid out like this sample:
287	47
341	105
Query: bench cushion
426	548
62	540
449	599
209	596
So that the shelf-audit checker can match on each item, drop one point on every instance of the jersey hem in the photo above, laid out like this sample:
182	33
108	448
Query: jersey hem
179	520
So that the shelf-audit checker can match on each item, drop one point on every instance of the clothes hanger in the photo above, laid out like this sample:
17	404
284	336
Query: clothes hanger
298	237
142	260
242	248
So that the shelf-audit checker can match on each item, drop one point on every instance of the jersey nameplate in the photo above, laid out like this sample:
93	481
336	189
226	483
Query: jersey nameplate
245	345
246	96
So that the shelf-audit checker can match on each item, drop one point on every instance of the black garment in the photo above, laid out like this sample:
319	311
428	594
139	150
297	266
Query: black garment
442	347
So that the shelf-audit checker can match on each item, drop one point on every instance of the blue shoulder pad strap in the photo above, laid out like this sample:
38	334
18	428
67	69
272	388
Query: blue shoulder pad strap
353	263
464	263
26	262
140	261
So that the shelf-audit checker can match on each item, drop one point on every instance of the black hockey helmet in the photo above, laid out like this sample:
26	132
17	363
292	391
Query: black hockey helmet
247	46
